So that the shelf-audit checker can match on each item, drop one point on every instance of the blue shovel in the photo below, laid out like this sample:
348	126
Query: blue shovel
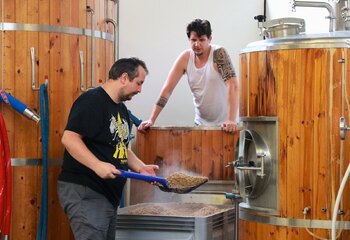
164	184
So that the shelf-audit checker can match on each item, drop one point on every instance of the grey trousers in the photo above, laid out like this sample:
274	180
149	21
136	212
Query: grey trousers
91	215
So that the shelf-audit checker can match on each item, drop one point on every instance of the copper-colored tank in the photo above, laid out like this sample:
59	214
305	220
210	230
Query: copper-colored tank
302	81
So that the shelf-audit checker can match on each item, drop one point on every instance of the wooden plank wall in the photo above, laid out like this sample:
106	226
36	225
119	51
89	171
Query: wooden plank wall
56	56
303	88
204	152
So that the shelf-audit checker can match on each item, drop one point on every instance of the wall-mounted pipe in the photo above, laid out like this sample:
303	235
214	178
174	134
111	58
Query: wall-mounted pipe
90	10
81	60
82	70
114	23
320	5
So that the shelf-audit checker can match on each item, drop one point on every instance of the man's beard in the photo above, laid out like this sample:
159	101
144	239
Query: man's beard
126	97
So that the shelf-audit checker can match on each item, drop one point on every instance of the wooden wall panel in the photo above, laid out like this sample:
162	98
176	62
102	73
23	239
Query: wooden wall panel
56	56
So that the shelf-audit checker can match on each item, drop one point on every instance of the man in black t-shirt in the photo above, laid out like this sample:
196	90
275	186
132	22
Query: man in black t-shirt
96	142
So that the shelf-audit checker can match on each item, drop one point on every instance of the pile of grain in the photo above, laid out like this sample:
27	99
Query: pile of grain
177	209
181	180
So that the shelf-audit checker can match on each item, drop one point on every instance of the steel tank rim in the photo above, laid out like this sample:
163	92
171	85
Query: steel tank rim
339	39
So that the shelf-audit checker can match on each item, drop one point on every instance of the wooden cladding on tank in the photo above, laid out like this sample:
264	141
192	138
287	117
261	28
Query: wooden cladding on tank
205	152
57	56
303	88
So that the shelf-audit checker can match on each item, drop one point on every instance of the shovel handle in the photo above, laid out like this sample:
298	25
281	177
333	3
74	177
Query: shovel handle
143	177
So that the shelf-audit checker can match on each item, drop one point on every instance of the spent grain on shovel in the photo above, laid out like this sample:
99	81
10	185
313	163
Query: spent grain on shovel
181	180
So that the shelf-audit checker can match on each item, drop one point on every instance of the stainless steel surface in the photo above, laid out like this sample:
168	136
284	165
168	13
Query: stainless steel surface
141	227
283	27
290	222
30	27
256	164
34	162
253	172
302	41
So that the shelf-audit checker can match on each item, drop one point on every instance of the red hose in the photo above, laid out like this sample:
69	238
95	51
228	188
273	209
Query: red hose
5	180
2	178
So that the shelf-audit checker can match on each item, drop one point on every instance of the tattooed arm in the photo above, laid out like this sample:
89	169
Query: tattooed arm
224	66
173	78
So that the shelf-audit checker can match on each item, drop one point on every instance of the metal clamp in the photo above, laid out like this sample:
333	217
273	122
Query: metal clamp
343	128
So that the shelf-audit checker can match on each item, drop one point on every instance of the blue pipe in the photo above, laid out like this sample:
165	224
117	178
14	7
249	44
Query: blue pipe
44	111
19	106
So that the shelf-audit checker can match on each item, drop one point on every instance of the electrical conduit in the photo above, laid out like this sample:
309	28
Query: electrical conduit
44	112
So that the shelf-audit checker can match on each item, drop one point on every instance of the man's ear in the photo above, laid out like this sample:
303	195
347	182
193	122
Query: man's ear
124	78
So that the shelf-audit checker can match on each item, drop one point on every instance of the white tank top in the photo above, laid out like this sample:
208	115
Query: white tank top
208	90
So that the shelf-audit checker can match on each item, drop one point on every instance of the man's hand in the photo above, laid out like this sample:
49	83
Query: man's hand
145	125
106	170
149	169
229	126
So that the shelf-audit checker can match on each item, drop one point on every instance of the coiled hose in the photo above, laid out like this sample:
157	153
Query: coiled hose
44	112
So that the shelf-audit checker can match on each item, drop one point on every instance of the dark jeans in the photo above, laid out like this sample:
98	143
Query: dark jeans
91	215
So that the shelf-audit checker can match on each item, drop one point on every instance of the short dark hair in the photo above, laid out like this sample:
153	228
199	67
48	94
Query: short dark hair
199	26
128	65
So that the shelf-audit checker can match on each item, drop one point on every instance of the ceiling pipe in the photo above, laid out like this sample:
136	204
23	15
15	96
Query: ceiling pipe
320	5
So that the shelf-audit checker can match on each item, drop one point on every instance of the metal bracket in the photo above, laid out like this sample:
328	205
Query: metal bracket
343	128
32	54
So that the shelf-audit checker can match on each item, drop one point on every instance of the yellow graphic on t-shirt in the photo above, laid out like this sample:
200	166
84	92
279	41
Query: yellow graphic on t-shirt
120	129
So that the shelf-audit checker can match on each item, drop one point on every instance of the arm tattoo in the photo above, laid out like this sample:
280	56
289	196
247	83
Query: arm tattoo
162	101
223	61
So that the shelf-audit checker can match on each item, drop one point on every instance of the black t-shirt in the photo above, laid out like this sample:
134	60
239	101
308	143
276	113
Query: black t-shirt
105	127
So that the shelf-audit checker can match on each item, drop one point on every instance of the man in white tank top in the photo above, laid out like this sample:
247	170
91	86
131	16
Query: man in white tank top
211	78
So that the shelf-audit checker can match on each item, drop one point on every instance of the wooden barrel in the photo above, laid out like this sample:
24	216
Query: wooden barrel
72	43
199	150
299	81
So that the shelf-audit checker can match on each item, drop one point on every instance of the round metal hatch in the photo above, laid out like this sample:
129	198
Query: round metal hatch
253	164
